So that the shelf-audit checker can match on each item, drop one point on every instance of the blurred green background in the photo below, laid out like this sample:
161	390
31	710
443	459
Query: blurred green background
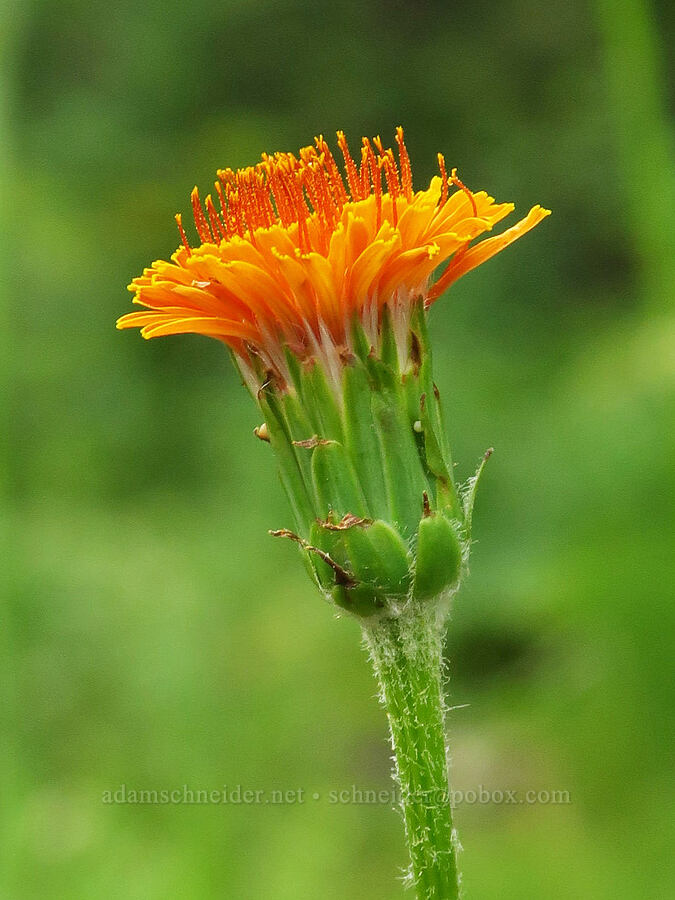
154	636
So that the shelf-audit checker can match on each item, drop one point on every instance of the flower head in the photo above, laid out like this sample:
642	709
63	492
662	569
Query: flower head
292	251
318	282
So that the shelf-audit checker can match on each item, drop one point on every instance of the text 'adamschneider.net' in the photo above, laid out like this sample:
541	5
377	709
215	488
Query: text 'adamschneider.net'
238	795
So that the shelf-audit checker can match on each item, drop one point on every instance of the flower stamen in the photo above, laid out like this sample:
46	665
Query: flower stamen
375	178
179	221
444	176
335	178
460	184
404	159
350	166
393	187
212	213
201	224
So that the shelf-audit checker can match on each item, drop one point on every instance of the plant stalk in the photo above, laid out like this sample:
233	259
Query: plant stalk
406	652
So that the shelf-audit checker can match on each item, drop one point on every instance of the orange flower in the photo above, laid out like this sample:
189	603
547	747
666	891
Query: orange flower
290	252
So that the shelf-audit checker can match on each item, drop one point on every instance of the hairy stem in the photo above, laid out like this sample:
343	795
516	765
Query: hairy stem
406	654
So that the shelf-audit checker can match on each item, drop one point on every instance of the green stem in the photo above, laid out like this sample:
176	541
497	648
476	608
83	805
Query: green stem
406	652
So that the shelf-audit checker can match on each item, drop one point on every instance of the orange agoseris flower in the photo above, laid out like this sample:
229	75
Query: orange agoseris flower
291	251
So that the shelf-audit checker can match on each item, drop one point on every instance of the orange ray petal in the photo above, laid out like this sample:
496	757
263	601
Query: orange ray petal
481	252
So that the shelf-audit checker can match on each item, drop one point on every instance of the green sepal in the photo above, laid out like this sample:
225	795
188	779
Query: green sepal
469	493
378	556
383	374
423	392
410	385
418	328
300	428
434	411
388	348
422	363
361	442
335	482
294	370
360	343
439	557
290	470
331	543
313	566
384	378
320	403
446	493
403	475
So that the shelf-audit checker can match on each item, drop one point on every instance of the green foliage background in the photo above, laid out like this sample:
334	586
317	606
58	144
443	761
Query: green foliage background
154	635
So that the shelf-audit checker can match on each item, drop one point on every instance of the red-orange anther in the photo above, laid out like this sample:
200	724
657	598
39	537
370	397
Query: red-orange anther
406	171
183	236
211	212
350	166
444	176
200	219
460	184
